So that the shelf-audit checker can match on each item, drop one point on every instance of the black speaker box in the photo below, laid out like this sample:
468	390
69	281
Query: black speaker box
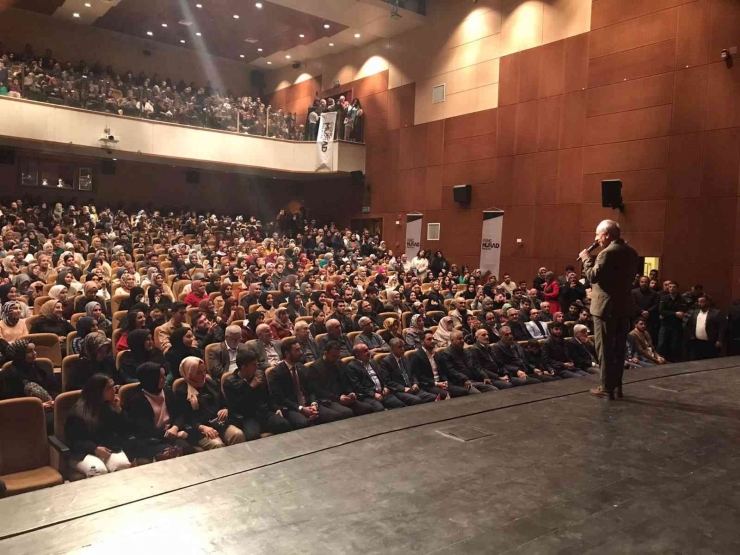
192	176
108	167
611	193
462	193
358	178
7	156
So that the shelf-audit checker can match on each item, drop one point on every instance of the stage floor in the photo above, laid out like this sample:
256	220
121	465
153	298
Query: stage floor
533	470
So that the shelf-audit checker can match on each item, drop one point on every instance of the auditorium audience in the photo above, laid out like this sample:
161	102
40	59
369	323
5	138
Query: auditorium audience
350	277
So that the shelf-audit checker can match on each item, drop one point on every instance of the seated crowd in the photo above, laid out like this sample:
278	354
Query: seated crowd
102	89
221	330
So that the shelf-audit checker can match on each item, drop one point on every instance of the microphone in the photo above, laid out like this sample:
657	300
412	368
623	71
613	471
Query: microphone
589	249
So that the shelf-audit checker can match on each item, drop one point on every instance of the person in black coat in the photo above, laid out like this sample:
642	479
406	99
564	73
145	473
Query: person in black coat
705	330
368	380
399	378
52	320
482	356
555	355
95	358
432	379
182	345
141	350
155	413
331	385
534	362
205	417
249	400
290	385
582	351
455	364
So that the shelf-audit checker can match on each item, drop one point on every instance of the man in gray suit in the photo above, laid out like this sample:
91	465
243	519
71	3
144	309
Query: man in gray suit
266	349
611	275
222	359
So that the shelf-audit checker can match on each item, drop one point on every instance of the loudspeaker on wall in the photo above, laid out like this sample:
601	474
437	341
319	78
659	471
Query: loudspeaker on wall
462	193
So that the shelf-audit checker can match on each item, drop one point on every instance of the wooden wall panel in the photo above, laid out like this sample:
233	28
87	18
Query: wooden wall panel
630	95
634	33
632	64
690	100
693	34
609	12
629	126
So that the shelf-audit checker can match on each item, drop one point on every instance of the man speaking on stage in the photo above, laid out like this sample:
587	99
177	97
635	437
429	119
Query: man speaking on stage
611	274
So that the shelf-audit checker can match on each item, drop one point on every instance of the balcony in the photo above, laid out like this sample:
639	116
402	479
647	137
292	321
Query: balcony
34	125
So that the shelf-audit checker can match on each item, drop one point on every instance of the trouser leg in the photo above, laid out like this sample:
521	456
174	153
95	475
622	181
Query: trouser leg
342	411
390	401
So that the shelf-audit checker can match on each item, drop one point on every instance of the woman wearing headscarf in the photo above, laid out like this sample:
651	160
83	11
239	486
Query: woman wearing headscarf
197	293
415	334
66	277
12	326
158	280
9	292
95	358
10	266
85	326
141	350
281	326
182	346
283	293
267	305
98	432
391	329
52	321
551	292
320	302
442	335
25	378
156	413
204	414
295	306
60	293
364	308
94	310
249	330
136	296
135	320
438	264
89	294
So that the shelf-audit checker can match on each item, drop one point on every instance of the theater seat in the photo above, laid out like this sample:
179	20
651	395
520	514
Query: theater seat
25	459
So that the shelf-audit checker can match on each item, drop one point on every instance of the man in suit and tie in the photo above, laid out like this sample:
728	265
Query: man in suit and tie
399	378
423	365
535	327
367	380
223	358
290	385
611	275
266	348
706	329
454	363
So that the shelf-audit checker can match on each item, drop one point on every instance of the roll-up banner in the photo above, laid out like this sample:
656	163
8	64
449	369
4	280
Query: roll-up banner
413	234
325	142
490	245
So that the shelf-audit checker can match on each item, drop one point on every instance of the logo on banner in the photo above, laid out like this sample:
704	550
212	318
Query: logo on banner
327	134
489	245
412	243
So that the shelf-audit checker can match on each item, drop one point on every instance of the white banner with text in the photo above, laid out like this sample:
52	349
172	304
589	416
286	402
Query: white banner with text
325	142
490	245
413	234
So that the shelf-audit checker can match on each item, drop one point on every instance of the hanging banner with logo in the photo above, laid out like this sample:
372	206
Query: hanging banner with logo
325	142
490	245
413	234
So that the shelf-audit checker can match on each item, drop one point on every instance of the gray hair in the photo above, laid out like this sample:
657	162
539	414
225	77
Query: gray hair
611	227
233	329
364	320
395	341
455	334
578	328
300	325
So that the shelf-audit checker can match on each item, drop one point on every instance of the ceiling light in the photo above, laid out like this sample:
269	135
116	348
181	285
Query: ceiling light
287	57
150	33
75	14
182	41
357	35
326	26
198	34
88	5
241	55
269	63
331	44
164	25
258	5
302	36
259	50
236	16
199	5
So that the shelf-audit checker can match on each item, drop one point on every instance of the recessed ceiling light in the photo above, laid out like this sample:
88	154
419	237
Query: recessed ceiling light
88	5
357	35
259	50
258	5
198	34
326	26
164	25
269	63
241	55
287	57
199	5
236	16
115	159
150	33
331	44
302	36
182	41
75	14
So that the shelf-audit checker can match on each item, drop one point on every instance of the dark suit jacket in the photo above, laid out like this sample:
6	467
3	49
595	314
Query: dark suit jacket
716	325
422	369
244	401
611	275
511	358
457	367
362	384
555	355
329	381
218	359
282	388
393	374
483	358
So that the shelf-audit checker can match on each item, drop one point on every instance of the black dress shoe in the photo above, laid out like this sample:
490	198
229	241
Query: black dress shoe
619	392
603	393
